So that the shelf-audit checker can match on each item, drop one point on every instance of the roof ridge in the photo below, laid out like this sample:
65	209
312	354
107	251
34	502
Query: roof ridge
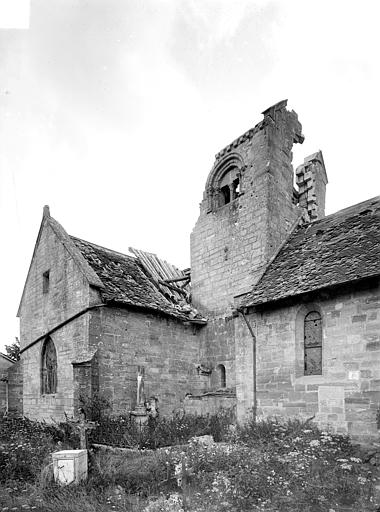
112	251
340	248
344	211
76	254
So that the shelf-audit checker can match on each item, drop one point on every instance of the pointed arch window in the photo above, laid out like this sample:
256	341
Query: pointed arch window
313	343
49	368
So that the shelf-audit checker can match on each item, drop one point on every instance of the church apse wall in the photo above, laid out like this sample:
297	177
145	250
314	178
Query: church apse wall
217	368
167	350
336	381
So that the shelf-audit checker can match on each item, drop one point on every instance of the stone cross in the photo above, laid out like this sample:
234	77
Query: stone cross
140	385
83	426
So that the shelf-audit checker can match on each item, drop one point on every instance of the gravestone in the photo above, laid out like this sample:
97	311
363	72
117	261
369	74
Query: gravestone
70	466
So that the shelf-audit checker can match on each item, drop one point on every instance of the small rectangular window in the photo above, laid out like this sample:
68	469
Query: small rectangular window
45	281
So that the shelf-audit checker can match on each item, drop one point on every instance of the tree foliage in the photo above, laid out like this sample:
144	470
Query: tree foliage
13	350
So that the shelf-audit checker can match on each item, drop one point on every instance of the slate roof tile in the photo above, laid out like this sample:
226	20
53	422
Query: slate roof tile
337	249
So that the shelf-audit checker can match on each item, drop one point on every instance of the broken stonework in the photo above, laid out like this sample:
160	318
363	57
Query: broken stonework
311	179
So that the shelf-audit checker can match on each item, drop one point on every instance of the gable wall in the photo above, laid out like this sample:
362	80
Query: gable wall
168	350
347	395
68	294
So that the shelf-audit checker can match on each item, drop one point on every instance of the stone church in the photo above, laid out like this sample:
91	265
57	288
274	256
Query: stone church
278	315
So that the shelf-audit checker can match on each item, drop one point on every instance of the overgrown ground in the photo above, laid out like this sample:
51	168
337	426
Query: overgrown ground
268	466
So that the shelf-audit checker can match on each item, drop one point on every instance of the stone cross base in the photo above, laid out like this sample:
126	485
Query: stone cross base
139	414
70	466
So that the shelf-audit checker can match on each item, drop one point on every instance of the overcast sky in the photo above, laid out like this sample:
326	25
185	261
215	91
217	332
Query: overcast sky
111	112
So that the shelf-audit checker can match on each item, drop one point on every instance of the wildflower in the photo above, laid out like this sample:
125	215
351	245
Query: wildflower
342	460
362	480
314	443
355	459
346	466
178	473
307	431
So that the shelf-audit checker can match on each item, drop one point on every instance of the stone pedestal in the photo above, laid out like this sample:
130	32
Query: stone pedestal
139	414
70	466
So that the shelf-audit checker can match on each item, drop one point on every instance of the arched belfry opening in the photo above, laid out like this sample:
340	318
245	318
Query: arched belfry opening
224	182
248	207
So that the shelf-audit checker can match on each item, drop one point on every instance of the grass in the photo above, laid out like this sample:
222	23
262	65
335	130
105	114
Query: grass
269	466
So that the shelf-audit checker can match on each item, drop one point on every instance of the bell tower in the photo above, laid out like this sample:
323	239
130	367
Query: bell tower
249	206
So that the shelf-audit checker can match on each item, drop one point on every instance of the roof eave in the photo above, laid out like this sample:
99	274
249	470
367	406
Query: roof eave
182	318
312	290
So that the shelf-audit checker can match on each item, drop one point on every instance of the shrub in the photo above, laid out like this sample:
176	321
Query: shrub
119	431
142	473
123	431
96	407
26	444
273	467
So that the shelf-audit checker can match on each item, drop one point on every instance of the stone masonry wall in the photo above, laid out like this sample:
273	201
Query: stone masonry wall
209	404
4	369
230	245
40	312
68	289
217	346
166	348
347	394
15	383
48	407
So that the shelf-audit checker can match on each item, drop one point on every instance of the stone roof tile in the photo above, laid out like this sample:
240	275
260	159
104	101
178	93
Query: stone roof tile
337	249
125	282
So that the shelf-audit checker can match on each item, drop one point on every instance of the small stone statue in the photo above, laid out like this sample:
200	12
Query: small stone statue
152	407
140	385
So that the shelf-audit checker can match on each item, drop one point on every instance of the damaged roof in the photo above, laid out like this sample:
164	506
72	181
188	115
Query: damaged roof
341	248
125	281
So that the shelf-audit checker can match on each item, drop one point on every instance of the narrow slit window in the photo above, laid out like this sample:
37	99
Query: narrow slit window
221	369
45	281
313	343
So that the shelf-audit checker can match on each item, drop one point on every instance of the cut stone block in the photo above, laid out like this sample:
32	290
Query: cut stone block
70	466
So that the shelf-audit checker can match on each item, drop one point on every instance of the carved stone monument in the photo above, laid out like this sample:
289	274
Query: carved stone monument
70	466
140	413
83	426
